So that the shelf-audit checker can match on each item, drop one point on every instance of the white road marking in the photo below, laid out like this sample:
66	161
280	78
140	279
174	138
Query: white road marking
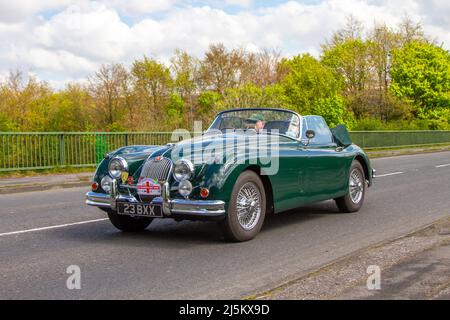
443	165
388	174
50	227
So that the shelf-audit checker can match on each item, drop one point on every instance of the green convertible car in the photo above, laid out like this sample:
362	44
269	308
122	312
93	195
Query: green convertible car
248	164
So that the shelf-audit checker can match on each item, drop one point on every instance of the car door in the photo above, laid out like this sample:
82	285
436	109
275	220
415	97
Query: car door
326	162
289	182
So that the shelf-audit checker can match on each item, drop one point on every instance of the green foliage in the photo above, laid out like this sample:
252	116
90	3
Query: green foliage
6	124
437	118
421	75
71	110
115	127
153	81
207	103
307	82
334	111
175	109
349	61
374	124
251	95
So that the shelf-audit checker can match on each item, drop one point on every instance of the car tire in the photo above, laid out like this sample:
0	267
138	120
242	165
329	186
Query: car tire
128	224
354	199
246	209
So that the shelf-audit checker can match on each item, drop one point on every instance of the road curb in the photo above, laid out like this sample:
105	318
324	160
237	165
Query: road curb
30	188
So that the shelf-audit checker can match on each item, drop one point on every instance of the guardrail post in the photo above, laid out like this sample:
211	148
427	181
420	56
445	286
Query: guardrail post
62	150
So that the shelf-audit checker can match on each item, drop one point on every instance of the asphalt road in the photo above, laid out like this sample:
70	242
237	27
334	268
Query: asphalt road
42	233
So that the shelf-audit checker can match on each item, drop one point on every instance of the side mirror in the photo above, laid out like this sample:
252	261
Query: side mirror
310	134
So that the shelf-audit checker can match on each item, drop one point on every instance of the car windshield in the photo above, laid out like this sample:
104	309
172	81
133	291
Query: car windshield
258	120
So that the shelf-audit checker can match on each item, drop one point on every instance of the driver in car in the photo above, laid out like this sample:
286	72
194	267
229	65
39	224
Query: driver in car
257	122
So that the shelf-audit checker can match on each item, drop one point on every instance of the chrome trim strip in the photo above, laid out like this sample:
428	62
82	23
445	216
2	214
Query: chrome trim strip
102	200
198	207
193	207
170	206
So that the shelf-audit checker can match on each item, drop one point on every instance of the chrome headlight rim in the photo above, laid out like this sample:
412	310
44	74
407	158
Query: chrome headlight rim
105	183
190	170
185	188
117	172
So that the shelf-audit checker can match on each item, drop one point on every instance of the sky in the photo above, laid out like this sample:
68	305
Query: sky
63	41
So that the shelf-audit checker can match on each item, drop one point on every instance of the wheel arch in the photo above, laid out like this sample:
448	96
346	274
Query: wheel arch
365	166
267	186
226	189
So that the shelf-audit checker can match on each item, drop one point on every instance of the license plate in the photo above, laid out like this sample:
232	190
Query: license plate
139	209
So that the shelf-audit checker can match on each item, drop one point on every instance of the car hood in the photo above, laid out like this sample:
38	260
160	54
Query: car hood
209	147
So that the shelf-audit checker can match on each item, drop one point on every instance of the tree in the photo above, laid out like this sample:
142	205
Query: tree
267	70
106	86
207	104
73	109
306	82
153	83
251	95
353	30
421	75
174	110
186	70
220	68
334	111
410	30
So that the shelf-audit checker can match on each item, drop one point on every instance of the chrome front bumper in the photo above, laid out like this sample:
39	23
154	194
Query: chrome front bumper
172	208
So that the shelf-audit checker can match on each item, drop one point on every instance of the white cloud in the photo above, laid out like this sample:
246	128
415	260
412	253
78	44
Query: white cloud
17	10
139	7
80	35
241	3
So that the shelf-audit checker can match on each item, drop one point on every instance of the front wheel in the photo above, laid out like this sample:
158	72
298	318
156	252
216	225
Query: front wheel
247	208
354	199
128	224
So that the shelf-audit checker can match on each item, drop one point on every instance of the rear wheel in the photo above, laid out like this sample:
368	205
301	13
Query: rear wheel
128	224
247	208
354	199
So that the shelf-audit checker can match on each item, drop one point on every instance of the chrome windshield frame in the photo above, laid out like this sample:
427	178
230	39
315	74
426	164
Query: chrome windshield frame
300	118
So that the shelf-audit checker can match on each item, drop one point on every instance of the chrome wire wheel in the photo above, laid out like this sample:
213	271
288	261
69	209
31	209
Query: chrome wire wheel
248	206
356	186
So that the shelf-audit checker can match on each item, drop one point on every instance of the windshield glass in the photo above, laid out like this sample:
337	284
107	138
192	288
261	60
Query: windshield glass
258	120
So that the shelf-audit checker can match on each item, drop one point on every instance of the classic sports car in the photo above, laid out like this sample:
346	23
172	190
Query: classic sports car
248	164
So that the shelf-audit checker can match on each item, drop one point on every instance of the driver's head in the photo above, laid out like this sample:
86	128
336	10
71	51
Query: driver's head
258	120
259	125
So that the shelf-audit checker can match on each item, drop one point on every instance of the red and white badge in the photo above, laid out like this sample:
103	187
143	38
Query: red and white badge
149	187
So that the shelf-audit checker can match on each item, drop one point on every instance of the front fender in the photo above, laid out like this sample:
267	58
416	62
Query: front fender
362	157
222	178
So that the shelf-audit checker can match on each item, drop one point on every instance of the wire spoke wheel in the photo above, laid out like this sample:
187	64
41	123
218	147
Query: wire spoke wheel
356	186
248	206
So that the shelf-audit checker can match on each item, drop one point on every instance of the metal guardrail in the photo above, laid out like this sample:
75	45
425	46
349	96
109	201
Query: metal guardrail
389	139
46	150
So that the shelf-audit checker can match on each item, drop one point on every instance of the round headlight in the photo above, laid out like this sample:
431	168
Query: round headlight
106	184
117	166
185	188
183	170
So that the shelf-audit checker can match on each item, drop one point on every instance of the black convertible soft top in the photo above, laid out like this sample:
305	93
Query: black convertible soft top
341	135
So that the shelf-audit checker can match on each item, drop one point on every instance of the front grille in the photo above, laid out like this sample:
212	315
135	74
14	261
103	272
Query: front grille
157	169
